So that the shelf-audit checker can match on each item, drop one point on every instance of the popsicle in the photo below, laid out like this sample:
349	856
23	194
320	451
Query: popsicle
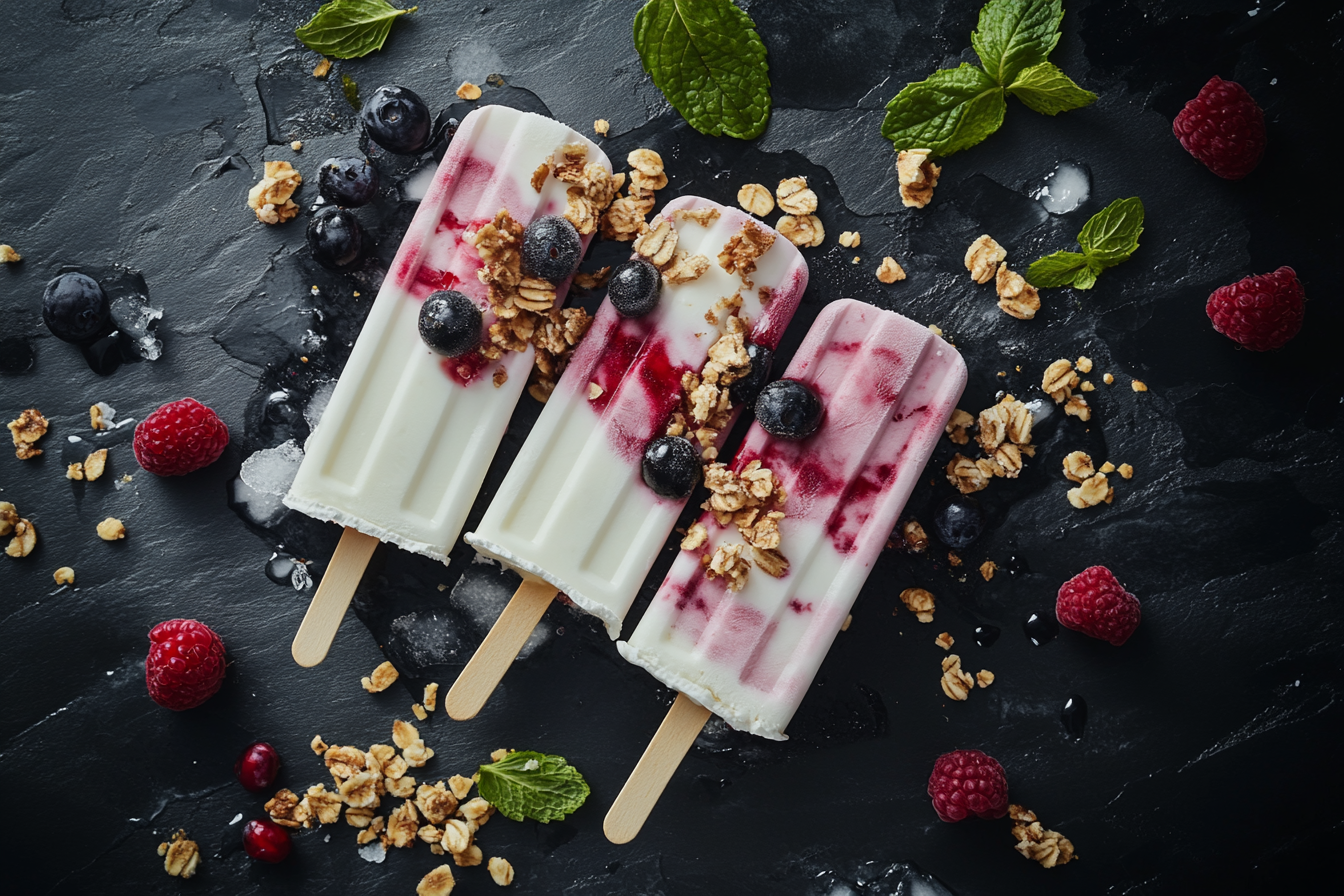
575	514
745	641
405	442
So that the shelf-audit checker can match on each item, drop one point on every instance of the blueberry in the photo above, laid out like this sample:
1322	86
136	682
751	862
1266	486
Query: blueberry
551	248
634	288
450	323
958	521
445	129
671	467
75	308
335	238
348	182
745	390
397	120
788	409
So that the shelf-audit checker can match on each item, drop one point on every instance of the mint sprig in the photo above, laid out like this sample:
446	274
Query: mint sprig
954	109
526	784
1108	238
346	29
707	59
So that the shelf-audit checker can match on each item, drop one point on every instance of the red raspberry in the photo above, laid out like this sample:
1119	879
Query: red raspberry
1261	312
180	437
967	782
1223	128
185	665
1096	604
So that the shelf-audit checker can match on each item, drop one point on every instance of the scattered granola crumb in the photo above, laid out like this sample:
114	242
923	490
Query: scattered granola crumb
111	529
25	430
431	699
935	329
945	640
296	145
270	196
321	69
500	871
602	127
794	197
95	464
916	539
25	533
1050	848
920	602
9	517
1126	471
1017	297
844	626
696	535
1092	491
99	416
1086	386
1059	380
984	678
916	176
850	238
855	260
460	786
889	271
380	679
1078	466
593	279
953	559
469	91
1083	364
987	569
318	745
1107	378
74	471
1107	467
957	684
438	882
419	711
8	255
181	856
1138	385
802	230
64	576
984	257
957	426
756	199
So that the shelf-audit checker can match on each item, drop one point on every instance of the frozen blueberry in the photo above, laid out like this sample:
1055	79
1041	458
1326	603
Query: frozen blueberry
788	409
397	120
671	467
450	323
958	521
745	390
75	308
634	288
348	182
335	238
551	248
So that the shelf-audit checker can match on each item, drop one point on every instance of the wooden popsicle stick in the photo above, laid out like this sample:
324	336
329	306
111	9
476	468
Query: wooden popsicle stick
328	606
510	632
662	756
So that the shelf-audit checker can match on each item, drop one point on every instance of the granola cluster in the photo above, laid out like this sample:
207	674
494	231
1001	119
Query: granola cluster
657	244
270	197
1093	487
622	218
918	601
1004	436
1050	848
1059	381
181	856
889	271
90	469
985	260
26	429
743	248
917	177
957	682
706	406
753	501
24	533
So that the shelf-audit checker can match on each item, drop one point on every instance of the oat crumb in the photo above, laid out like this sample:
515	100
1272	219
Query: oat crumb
468	91
756	199
181	856
111	529
419	711
987	569
501	872
438	882
380	679
8	255
1107	378
25	430
920	602
953	559
270	198
1049	848
945	640
1138	386
984	257
850	238
844	626
889	271
1126	471
601	127
431	699
296	145
916	177
64	576
956	683
1083	364
984	678
1107	467
321	69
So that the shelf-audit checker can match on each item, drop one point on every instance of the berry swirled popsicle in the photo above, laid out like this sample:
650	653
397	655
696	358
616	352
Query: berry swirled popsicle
423	402
793	527
685	335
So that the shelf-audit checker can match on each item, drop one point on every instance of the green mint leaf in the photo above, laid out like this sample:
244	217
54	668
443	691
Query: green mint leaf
1047	90
525	784
1112	234
1059	269
953	109
707	59
346	29
1086	279
1015	34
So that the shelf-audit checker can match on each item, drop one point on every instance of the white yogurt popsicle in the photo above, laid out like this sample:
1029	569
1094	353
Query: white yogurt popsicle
888	387
574	514
402	448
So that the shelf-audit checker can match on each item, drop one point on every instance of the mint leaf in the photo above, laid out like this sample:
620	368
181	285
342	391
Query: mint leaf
953	109
1086	279
1015	34
1059	269
346	29
525	784
1112	234
707	59
1046	89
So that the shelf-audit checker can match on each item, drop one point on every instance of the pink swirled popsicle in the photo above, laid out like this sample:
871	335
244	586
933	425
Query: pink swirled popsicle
405	442
744	640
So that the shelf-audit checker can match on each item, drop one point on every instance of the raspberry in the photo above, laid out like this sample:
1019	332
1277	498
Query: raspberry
1261	312
1223	128
1096	604
185	665
180	437
967	782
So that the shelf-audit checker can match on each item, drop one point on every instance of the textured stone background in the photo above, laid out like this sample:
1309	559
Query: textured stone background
130	133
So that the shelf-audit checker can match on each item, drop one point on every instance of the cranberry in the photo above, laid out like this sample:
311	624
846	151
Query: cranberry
257	767
266	841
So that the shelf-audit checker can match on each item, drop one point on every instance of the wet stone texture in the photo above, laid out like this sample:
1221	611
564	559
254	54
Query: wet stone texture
131	133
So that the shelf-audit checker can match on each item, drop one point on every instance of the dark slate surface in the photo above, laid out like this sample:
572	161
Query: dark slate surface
131	131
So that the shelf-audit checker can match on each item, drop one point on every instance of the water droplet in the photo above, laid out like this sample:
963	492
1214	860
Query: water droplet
986	635
1074	716
1017	565
1065	188
280	569
1040	629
